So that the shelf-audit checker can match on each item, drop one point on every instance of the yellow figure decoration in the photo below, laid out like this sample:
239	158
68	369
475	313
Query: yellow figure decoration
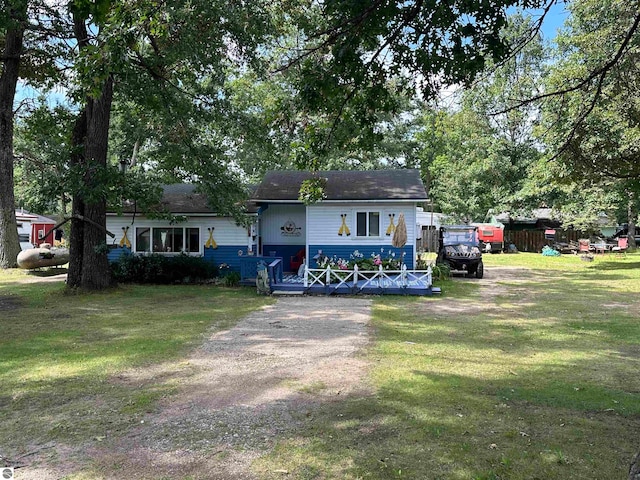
391	228
344	230
124	242
211	243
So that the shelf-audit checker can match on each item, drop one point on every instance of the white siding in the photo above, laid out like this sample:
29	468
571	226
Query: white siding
226	232
274	218
324	222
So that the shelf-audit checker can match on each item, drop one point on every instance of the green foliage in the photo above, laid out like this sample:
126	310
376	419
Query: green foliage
231	279
596	128
42	149
592	127
476	160
161	269
440	271
312	190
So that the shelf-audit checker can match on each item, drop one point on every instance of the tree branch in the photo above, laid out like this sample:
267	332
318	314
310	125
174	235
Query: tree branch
599	73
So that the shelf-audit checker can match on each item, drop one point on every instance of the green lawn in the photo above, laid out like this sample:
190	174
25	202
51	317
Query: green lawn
535	378
64	358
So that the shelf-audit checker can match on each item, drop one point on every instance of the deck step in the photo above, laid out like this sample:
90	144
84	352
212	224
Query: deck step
287	292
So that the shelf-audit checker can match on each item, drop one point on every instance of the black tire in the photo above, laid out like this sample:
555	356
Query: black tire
480	270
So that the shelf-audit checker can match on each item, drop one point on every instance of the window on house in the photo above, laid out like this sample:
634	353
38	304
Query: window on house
167	239
368	224
192	239
143	236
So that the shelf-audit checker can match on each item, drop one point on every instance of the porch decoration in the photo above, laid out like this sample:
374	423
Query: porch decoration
400	233
290	229
391	228
344	229
211	243
124	242
387	260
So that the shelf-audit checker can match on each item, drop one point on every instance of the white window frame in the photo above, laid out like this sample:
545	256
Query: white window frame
184	237
368	211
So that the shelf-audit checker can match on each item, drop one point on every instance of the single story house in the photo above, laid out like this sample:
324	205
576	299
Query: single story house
358	215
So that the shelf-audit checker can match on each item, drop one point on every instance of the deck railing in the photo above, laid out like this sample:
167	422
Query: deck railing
366	279
249	266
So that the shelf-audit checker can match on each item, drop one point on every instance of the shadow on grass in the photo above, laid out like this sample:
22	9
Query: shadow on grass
507	415
48	272
611	265
426	425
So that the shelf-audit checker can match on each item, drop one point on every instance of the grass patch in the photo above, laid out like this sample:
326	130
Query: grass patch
62	355
534	377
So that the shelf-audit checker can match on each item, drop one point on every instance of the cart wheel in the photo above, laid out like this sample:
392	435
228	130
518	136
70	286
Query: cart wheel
480	270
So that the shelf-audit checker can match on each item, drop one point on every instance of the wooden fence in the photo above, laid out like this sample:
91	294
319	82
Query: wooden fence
533	240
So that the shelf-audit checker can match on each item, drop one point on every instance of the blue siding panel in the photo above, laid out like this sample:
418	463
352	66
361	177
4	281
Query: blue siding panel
226	254
114	254
345	251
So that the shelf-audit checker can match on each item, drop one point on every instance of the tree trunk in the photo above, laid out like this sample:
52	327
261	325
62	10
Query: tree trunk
632	214
76	235
95	265
9	241
88	263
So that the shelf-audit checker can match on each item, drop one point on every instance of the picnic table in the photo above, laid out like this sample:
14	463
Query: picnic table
603	247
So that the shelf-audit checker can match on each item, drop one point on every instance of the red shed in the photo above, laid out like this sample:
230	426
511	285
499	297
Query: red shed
41	230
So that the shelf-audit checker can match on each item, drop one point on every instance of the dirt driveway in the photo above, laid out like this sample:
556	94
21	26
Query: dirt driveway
239	392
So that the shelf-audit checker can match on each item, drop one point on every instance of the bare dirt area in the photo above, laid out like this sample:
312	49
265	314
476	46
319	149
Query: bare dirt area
239	392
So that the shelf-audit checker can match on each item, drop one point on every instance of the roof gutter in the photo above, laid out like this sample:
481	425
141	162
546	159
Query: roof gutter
350	200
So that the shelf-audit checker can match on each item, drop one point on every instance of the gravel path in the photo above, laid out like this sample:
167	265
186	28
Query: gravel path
245	388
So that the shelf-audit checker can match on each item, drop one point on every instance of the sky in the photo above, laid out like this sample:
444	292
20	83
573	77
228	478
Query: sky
553	21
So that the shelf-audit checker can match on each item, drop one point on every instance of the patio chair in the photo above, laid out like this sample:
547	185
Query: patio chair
296	260
584	246
621	248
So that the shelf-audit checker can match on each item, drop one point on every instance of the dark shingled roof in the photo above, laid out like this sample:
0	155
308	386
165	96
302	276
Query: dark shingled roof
345	185
182	198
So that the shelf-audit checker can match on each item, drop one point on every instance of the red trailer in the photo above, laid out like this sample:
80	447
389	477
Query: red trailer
491	237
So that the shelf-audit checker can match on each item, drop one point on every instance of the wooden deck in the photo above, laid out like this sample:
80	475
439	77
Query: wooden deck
352	282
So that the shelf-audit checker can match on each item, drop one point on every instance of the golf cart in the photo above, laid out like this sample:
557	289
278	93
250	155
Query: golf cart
459	248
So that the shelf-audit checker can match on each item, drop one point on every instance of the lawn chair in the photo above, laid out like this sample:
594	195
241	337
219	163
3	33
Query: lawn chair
584	246
621	248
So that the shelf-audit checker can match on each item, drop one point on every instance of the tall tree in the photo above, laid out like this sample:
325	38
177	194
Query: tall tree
474	159
595	130
14	21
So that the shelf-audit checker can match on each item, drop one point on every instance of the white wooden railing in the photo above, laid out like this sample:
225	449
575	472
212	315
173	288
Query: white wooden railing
361	279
